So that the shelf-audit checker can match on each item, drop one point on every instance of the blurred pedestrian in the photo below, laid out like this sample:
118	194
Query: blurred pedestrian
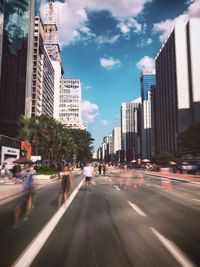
5	170
139	179
88	172
99	168
104	169
65	184
25	204
16	171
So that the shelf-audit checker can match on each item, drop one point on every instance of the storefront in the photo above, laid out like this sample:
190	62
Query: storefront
9	148
13	148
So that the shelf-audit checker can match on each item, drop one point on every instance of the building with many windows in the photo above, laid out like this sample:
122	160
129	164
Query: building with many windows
53	49
116	135
70	103
16	44
1	29
147	79
43	75
177	92
129	129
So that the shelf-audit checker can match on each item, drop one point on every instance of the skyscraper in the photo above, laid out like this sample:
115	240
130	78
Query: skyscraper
129	128
177	92
43	75
1	29
147	79
53	48
70	103
16	52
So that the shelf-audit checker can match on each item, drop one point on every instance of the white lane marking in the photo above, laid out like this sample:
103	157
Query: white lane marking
157	186
136	208
197	200
116	187
173	249
153	185
29	254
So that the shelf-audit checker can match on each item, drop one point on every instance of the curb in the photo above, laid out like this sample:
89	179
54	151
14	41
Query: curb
174	178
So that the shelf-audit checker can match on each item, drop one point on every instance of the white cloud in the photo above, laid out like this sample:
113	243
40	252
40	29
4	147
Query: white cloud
73	16
146	63
103	39
165	27
128	25
145	42
118	9
110	63
104	122
89	111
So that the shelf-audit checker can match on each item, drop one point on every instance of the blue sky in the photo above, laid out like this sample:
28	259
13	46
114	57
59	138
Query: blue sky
107	43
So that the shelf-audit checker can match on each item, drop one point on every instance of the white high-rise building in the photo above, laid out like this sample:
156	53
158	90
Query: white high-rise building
53	48
146	128
129	128
70	103
116	139
43	75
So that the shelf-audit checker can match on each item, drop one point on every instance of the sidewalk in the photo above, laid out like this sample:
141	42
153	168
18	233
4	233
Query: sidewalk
176	176
10	190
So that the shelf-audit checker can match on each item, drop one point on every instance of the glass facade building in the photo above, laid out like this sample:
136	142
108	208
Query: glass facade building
15	16
147	79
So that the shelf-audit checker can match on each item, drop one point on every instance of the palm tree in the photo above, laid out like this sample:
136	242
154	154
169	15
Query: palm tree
50	139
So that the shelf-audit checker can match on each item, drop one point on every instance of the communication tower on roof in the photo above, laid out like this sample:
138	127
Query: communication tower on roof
51	33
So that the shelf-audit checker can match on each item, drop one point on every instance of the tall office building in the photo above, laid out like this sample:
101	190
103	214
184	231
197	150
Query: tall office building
153	121
70	103
116	139
146	128
1	29
147	79
43	75
129	128
53	48
116	135
177	85
17	20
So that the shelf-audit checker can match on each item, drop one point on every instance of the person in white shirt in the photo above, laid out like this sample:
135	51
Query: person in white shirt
88	172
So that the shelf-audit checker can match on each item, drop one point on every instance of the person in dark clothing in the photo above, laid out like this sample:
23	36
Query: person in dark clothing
65	184
104	169
99	168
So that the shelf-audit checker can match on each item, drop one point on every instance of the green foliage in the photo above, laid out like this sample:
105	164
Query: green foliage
190	140
163	158
50	139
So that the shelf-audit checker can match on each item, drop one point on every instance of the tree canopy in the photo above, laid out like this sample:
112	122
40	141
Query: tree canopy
163	158
53	141
189	140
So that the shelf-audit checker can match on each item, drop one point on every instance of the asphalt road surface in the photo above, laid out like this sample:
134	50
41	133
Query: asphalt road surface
151	225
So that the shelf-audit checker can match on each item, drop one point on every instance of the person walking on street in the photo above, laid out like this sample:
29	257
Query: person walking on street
65	184
104	169
99	168
88	172
26	203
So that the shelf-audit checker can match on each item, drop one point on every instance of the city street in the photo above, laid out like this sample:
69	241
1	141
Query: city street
150	225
